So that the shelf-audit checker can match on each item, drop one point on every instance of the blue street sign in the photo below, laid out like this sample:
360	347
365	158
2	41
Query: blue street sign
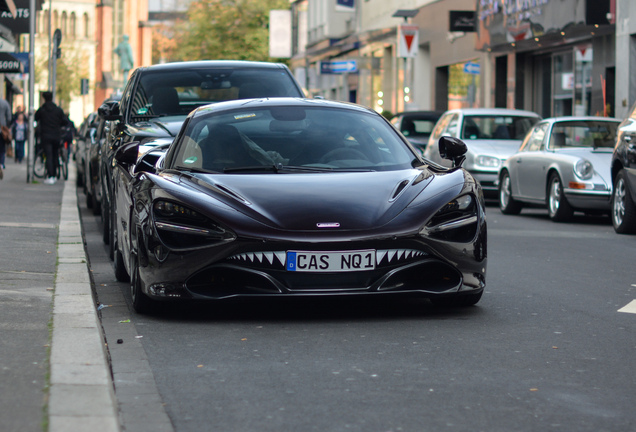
472	68
338	67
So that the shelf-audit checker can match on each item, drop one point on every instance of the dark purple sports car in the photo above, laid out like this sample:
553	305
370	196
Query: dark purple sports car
296	197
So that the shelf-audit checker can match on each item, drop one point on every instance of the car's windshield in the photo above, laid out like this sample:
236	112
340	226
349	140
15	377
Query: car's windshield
581	133
161	94
496	127
324	139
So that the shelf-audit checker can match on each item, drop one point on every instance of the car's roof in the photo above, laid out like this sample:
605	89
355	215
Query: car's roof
212	63
580	118
495	111
280	102
420	113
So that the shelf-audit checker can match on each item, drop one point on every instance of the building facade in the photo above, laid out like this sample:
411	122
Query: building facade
554	57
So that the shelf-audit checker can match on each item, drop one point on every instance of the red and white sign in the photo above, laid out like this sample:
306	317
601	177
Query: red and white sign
407	40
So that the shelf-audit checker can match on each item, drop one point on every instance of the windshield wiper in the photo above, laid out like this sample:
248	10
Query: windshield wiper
195	170
276	169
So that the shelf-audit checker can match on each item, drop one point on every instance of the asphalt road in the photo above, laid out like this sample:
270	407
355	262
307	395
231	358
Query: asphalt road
546	348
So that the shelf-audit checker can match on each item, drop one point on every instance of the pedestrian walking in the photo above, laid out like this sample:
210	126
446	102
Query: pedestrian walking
5	120
50	119
19	129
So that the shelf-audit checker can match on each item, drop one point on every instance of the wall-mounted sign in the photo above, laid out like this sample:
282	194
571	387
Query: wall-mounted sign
9	64
345	5
462	21
338	67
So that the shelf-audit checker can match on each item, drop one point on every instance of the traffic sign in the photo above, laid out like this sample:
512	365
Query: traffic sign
472	68
338	67
408	40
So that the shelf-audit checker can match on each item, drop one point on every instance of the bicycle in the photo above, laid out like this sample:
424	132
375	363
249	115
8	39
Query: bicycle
61	168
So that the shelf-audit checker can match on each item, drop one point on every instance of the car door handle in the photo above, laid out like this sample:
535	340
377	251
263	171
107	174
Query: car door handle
519	161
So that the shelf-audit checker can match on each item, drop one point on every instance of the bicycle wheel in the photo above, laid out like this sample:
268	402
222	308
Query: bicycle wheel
39	164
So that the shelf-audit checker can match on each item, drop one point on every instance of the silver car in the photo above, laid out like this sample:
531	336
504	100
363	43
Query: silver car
491	135
564	165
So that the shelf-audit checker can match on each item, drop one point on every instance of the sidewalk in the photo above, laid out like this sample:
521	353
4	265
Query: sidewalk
48	317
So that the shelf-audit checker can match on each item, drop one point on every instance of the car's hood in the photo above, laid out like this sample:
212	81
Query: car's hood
601	159
159	127
353	201
499	148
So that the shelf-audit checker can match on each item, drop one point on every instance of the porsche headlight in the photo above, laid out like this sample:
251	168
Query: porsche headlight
456	221
483	161
583	169
180	227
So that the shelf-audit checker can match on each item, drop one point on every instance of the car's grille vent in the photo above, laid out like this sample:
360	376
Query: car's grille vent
232	193
278	258
398	189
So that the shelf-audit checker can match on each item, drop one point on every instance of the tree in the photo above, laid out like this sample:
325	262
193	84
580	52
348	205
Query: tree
220	29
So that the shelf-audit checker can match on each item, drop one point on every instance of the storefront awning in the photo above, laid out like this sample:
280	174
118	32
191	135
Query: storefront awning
10	64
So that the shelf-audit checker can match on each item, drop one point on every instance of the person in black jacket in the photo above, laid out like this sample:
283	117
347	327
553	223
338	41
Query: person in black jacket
50	119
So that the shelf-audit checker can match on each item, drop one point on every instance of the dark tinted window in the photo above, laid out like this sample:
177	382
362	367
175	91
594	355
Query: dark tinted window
176	93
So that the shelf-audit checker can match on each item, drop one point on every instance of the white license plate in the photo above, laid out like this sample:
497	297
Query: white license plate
319	262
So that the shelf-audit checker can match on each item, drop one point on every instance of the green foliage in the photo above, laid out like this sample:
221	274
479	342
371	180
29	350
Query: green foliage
224	29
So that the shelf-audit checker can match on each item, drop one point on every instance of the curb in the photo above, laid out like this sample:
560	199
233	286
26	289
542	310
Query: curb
81	392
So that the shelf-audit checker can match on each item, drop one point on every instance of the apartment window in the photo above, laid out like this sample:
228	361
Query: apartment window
73	25
86	27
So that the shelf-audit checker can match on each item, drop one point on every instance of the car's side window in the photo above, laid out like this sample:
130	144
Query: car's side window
536	140
441	126
632	114
452	126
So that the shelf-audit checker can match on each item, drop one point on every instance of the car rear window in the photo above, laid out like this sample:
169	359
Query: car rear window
496	127
177	93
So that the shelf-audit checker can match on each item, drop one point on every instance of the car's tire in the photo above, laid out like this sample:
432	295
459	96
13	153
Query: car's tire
118	263
111	234
96	205
89	199
507	204
623	210
559	209
105	221
463	300
140	301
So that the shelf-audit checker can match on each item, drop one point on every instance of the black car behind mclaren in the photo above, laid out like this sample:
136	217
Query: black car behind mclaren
296	197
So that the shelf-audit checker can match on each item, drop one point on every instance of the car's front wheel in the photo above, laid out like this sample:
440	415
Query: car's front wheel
559	208
140	301
623	209
507	204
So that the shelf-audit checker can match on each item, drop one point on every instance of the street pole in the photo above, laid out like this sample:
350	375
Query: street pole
31	128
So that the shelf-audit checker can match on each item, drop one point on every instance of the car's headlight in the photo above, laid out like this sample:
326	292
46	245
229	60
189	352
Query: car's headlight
180	227
583	169
487	161
455	221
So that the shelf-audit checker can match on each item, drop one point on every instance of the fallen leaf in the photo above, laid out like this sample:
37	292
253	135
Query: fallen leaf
534	389
125	321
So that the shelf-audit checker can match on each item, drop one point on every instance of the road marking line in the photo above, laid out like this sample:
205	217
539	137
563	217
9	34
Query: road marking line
629	308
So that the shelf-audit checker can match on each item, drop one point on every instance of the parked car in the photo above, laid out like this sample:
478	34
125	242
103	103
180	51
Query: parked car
296	197
157	99
564	165
624	177
81	144
491	134
416	126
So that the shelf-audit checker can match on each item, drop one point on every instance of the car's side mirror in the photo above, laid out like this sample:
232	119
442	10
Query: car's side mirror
109	111
453	149
128	154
